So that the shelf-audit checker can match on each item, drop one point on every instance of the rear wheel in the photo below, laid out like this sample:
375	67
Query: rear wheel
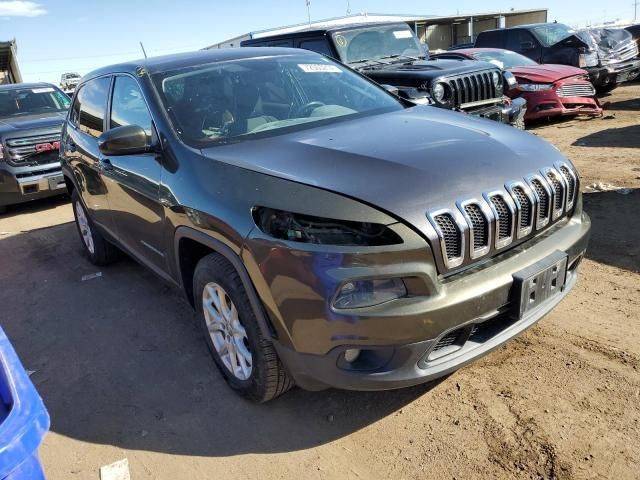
98	249
246	358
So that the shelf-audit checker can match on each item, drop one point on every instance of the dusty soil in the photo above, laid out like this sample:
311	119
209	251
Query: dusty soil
124	371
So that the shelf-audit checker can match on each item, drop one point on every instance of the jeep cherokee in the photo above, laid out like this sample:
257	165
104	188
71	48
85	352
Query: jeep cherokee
327	233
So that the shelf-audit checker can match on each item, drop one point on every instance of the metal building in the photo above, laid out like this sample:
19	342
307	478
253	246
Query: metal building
9	71
439	32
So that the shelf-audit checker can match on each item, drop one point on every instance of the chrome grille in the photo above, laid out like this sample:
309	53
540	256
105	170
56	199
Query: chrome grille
477	228
23	150
576	90
471	88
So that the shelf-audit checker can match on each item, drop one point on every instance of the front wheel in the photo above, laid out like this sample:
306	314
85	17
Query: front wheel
97	248
246	358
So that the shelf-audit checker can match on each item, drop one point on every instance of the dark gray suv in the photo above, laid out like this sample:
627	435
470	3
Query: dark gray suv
328	234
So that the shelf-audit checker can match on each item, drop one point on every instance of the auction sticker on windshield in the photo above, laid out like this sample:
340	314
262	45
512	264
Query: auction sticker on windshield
42	90
318	68
402	34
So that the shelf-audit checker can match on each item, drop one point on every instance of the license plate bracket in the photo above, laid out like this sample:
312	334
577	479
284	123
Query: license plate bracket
538	283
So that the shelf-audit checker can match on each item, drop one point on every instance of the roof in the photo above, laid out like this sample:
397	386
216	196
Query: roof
201	57
15	86
318	30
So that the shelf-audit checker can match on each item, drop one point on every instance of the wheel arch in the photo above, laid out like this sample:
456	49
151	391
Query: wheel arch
192	245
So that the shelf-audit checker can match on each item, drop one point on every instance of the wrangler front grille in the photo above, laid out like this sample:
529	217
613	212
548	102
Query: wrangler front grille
472	88
523	208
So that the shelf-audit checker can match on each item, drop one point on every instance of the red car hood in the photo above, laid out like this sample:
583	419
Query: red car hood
547	73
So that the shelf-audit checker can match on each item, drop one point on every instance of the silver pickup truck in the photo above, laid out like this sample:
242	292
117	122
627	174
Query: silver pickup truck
31	116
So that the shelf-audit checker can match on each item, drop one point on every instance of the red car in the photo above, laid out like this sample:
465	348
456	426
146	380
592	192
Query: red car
550	90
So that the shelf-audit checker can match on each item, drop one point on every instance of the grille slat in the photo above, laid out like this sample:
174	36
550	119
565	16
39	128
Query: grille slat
571	184
543	200
451	234
505	220
525	207
558	191
472	88
479	226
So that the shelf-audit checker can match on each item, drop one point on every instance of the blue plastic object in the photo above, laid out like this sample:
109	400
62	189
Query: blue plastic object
23	419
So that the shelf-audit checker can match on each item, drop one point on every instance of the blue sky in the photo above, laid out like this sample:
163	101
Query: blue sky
79	35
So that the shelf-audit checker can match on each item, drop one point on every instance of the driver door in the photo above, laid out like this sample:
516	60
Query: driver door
134	180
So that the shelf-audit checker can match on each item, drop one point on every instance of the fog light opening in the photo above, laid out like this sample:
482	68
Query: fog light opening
351	355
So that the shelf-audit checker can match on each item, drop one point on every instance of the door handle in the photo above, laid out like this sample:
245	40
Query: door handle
105	164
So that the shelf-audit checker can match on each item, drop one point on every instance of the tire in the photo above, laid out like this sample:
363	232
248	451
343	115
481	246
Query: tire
98	250
266	377
3	209
604	89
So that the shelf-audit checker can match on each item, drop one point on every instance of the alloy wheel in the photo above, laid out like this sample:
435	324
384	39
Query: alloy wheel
85	229
227	333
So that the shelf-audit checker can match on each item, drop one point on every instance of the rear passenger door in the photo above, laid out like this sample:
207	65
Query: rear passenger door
523	42
80	147
134	180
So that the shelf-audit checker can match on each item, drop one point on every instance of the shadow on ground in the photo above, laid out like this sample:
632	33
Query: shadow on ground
631	104
623	137
615	231
119	360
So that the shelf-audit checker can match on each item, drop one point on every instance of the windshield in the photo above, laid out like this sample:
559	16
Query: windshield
25	101
505	59
377	42
551	33
266	95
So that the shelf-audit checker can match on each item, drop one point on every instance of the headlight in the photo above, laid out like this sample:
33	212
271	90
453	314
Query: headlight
495	76
439	92
367	293
588	59
510	79
535	87
295	227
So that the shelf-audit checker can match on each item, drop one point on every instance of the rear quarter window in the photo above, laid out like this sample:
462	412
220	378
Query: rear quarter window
493	38
318	45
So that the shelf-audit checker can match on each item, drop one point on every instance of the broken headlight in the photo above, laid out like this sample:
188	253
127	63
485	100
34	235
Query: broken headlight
296	227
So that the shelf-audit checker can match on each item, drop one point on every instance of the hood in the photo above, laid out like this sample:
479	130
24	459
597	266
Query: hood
547	73
405	162
32	122
415	73
573	41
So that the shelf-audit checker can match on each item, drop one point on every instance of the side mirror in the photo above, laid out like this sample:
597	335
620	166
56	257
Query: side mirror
127	140
527	46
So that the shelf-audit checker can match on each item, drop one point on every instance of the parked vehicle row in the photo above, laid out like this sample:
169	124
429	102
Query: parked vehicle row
327	232
610	57
391	54
550	90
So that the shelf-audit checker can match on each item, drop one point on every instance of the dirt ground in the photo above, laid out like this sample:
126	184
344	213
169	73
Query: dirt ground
125	373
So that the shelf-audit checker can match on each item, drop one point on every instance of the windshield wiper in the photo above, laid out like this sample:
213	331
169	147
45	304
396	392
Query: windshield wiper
397	55
367	60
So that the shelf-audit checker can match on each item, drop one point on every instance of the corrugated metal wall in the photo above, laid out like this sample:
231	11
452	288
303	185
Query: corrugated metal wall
525	18
437	37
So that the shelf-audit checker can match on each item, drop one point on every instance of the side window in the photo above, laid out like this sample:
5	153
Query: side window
318	45
281	43
128	106
93	103
520	41
74	113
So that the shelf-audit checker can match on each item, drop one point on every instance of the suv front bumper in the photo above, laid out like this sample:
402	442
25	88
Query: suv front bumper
26	183
397	338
